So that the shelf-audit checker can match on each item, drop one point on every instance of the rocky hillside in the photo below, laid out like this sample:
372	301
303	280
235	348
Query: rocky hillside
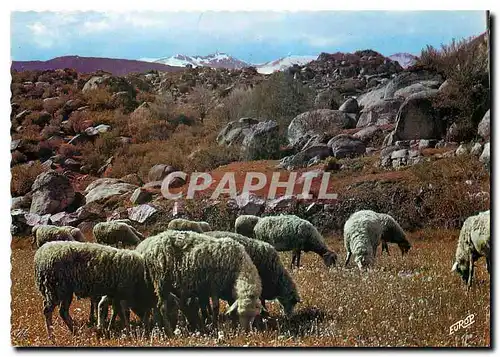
115	66
92	147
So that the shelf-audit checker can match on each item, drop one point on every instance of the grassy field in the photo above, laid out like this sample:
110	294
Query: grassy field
402	302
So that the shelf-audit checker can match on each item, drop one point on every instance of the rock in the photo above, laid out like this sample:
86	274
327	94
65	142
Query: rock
381	112
140	196
372	97
105	190
417	119
462	150
405	92
328	99
91	131
350	106
92	83
345	145
174	182
99	182
141	213
178	209
22	115
263	142
368	133
281	203
426	143
64	219
52	193
483	129
20	202
153	185
477	149
15	144
248	203
235	132
406	79
103	128
485	156
132	179
303	158
72	164
106	165
33	219
318	122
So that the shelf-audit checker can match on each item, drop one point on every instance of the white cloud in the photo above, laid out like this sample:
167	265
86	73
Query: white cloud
42	36
96	26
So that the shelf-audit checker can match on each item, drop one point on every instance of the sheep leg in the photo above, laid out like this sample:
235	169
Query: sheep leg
102	312
234	315
348	258
385	247
488	264
298	258
93	306
471	273
64	313
164	315
124	313
215	311
48	309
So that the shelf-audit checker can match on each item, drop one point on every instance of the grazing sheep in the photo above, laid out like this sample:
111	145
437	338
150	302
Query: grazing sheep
276	281
205	226
473	243
181	224
48	233
89	270
393	233
114	232
363	232
245	224
191	265
289	232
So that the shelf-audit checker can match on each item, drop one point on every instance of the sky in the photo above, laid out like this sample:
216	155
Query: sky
255	37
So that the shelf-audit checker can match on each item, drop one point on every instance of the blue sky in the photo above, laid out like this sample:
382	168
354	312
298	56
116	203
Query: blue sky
251	36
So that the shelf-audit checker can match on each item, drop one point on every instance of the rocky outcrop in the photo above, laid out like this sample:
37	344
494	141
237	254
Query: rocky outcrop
306	158
52	192
318	122
380	112
344	145
159	172
485	156
102	189
483	129
417	119
263	142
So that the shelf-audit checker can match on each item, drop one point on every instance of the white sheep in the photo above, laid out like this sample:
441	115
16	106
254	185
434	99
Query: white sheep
245	224
192	265
363	232
181	224
289	232
473	243
115	232
49	233
276	281
88	270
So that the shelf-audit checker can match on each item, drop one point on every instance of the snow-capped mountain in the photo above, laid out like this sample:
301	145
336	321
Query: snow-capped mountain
283	63
405	59
214	60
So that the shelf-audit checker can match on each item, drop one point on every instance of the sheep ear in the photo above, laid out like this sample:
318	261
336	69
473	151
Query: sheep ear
454	267
232	308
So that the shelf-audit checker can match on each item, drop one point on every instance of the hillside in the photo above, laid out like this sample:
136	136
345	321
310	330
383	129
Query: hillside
115	66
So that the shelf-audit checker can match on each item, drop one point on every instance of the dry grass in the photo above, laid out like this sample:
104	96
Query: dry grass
403	302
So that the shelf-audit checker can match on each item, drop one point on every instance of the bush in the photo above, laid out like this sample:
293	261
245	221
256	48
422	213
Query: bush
23	177
464	64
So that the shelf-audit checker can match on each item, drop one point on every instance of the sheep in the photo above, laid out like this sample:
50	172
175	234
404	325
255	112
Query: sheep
289	232
276	281
245	224
48	233
191	265
114	232
88	270
181	224
205	226
364	230
473	243
393	233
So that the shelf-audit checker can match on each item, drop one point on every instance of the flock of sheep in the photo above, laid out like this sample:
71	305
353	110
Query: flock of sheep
185	267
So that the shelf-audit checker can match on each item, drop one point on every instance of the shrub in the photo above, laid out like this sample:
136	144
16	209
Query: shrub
23	177
98	99
211	157
464	64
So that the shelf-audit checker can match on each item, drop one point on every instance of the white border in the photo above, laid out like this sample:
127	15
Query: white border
186	5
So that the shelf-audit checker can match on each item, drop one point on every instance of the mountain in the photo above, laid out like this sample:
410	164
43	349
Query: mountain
283	63
405	59
214	60
91	64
